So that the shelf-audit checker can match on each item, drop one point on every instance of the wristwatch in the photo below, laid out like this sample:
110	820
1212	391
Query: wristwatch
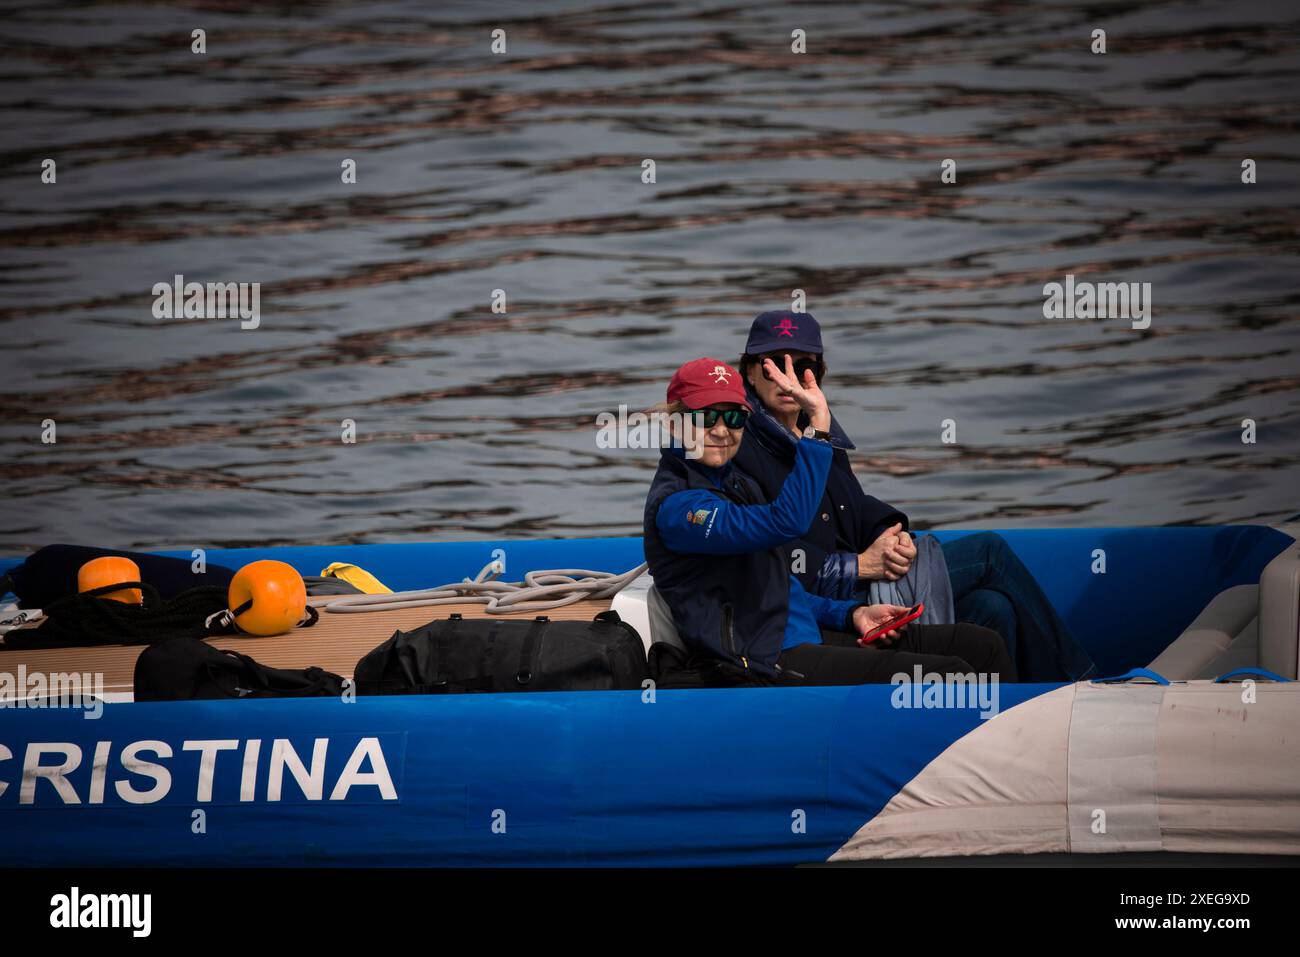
818	434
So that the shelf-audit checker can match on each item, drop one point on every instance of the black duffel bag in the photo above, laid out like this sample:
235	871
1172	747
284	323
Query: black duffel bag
456	655
188	669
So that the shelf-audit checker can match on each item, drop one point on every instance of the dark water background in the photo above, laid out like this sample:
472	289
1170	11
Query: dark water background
522	172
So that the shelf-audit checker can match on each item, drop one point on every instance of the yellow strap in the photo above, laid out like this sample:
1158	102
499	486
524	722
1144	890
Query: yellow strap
358	576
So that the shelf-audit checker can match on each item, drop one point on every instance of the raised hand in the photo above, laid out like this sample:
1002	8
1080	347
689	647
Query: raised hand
807	393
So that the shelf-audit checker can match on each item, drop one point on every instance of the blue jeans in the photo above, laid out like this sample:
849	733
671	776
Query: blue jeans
993	588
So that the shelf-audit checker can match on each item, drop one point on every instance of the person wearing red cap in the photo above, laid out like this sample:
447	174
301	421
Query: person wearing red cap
716	550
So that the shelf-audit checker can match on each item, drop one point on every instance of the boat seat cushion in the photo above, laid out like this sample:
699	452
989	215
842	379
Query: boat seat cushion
1279	613
1249	626
662	626
1242	653
1210	635
641	606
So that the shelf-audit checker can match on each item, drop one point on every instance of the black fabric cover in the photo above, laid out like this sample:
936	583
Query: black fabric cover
187	669
458	655
50	573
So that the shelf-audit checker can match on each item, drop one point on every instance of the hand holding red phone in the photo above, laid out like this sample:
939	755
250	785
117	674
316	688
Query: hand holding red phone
879	624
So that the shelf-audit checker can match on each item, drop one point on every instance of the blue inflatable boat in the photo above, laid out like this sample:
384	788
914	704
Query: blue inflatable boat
1165	759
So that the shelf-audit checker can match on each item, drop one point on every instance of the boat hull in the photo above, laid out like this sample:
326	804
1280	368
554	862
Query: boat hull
681	778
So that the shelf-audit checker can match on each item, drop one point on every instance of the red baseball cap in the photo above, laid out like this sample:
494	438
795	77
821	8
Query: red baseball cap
704	382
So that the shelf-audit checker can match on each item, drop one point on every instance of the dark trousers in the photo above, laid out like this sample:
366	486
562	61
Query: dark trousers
944	649
993	588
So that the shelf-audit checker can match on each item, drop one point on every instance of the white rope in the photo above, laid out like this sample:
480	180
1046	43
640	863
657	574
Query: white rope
502	598
16	618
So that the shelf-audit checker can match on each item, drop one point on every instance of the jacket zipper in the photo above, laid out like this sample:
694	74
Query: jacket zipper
728	638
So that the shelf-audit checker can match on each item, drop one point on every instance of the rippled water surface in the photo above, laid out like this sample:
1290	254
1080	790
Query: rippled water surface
522	172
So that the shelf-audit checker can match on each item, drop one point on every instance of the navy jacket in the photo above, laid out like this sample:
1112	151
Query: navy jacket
714	545
847	520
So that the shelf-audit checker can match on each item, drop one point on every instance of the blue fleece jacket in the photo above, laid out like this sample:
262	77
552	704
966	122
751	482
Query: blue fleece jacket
696	521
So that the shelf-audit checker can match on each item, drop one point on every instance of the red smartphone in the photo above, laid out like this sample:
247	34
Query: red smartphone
910	615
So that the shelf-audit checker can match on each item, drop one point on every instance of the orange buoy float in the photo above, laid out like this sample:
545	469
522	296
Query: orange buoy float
275	596
111	570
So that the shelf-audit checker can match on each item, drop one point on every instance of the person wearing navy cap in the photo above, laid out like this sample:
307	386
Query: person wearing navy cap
858	547
716	550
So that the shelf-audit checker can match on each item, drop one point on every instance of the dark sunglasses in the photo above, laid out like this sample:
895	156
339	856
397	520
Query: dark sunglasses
801	366
731	418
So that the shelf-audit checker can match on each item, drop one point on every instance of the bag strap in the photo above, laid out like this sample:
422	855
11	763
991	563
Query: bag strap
439	646
257	673
524	676
215	676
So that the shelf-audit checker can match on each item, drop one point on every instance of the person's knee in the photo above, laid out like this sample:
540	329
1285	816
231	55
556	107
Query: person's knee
927	667
981	644
953	665
978	635
988	608
991	544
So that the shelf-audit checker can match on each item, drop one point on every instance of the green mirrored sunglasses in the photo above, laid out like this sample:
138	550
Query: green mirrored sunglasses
731	418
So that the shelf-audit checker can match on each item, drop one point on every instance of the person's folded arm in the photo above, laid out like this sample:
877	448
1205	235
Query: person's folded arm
837	576
728	528
891	517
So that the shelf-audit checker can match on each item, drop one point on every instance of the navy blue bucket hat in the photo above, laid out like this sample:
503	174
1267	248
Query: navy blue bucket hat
782	329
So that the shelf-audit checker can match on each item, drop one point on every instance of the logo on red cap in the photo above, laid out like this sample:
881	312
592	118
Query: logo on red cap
704	382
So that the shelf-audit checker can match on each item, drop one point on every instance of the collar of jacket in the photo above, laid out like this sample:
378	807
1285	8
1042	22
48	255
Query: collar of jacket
775	435
715	477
